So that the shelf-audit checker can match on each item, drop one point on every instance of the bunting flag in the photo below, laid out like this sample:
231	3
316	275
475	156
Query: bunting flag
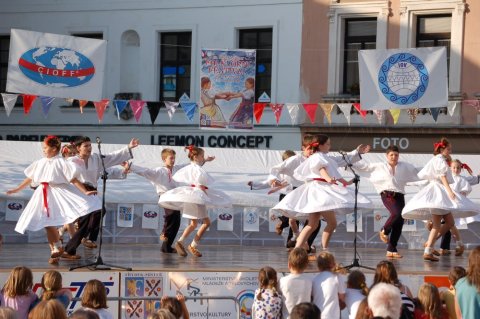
435	111
412	114
277	110
153	109
451	107
293	110
258	111
171	108
358	107
311	110
46	103
120	105
327	109
28	102
189	109
395	114
379	115
100	107
472	103
346	109
9	101
82	103
137	108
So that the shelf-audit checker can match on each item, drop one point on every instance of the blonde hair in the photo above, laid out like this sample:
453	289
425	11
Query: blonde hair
298	259
68	150
7	313
51	283
95	295
48	309
166	152
473	268
287	154
19	282
325	261
267	279
429	300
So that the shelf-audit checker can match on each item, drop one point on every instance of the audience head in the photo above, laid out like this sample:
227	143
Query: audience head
384	301
7	313
356	280
161	314
455	274
173	305
51	283
48	309
473	268
305	310
94	295
429	300
267	279
19	282
84	314
386	273
298	259
325	261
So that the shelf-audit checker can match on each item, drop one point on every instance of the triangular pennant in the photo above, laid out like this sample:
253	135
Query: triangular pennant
358	107
379	115
311	110
46	103
395	114
451	107
100	107
120	105
137	108
435	111
412	114
327	109
9	101
277	111
189	109
346	108
258	111
82	103
171	108
293	110
28	102
153	109
472	103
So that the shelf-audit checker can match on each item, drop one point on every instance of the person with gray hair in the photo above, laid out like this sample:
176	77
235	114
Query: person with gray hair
384	301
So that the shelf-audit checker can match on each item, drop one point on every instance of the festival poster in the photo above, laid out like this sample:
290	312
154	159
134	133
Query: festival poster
141	284
227	89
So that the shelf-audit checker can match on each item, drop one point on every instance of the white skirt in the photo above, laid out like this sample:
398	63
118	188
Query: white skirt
318	196
65	202
433	199
189	200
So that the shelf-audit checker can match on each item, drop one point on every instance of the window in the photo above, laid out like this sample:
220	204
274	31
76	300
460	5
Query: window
360	34
434	31
260	40
175	65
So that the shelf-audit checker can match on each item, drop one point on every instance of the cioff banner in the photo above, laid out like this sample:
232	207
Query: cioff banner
403	78
54	65
227	89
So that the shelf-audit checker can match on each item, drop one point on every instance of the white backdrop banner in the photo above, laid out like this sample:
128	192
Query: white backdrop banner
56	65
403	78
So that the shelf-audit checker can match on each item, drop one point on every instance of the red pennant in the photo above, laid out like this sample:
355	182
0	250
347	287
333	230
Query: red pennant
358	107
258	110
28	102
277	110
311	110
100	106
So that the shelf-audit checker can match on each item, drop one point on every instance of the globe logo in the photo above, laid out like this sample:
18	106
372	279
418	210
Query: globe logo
56	67
403	78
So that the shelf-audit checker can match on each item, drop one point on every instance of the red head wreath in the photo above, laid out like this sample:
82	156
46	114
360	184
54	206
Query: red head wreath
313	145
189	147
436	146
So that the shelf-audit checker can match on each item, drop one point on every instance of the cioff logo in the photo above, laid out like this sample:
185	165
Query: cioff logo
245	299
56	67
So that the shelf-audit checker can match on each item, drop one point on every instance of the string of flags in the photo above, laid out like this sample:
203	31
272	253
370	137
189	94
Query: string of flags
189	108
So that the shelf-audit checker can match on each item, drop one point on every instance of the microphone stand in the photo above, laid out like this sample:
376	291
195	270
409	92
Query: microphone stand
98	264
356	180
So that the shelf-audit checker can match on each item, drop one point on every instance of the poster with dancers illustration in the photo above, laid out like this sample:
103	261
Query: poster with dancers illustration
227	89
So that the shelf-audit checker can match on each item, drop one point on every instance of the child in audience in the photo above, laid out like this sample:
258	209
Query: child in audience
176	305
94	298
17	292
429	305
297	286
305	310
356	291
448	296
48	309
267	301
52	288
328	290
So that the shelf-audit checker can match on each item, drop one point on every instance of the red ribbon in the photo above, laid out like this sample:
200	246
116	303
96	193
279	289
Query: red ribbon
314	144
202	187
45	201
438	145
324	180
189	147
469	170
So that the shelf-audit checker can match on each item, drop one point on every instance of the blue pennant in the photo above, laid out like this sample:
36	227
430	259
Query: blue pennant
189	109
46	103
435	111
120	105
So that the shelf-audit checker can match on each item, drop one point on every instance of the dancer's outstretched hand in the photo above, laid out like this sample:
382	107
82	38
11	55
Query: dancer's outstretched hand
362	148
133	143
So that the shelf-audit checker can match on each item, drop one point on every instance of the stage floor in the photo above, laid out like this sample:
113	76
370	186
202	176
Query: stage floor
141	257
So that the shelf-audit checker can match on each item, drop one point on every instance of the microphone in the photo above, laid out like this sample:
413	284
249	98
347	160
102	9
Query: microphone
98	140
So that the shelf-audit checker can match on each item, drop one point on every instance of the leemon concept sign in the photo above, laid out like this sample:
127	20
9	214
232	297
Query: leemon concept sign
56	65
403	78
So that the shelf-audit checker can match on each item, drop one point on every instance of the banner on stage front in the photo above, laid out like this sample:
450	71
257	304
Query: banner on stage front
403	78
55	65
227	89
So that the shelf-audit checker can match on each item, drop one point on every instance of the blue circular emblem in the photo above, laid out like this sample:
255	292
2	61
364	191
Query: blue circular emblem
56	67
403	78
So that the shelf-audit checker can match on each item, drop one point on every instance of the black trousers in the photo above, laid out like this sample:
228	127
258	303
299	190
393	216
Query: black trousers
85	223
172	219
394	202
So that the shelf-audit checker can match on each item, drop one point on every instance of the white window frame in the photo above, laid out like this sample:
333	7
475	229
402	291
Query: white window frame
411	9
337	15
